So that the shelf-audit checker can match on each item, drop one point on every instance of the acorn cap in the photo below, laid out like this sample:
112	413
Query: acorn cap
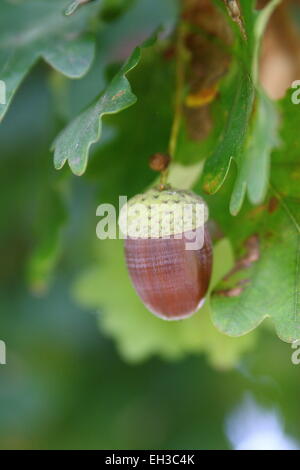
162	213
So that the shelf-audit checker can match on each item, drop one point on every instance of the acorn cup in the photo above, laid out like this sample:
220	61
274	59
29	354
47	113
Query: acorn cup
168	250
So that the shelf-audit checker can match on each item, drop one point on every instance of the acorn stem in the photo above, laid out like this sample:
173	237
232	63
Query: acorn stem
179	87
163	179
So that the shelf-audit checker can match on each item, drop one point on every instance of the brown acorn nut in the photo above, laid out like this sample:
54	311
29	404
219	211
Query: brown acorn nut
168	254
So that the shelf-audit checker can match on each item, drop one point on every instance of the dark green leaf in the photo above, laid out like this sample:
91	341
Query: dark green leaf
52	217
254	159
266	279
74	142
250	130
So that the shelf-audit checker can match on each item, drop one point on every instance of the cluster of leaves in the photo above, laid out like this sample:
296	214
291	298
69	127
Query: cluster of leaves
260	249
265	280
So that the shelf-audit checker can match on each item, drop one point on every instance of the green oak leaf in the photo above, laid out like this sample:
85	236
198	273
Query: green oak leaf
249	116
118	160
74	142
39	29
232	139
268	283
254	159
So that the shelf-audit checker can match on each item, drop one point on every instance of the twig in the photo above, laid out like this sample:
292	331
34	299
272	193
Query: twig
179	87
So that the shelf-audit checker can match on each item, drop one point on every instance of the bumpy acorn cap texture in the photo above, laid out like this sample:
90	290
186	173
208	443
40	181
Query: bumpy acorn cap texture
162	213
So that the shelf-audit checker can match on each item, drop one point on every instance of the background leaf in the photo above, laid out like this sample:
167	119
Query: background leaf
245	105
52	217
243	299
74	142
254	158
38	28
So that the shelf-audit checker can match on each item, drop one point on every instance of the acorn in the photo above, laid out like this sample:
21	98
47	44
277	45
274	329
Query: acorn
168	250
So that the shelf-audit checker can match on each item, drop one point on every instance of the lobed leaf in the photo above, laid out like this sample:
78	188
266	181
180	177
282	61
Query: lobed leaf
38	28
266	280
74	142
250	115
